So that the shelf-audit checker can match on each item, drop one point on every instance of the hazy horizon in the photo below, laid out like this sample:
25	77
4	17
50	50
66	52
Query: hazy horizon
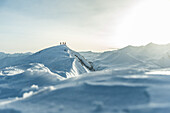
87	50
95	25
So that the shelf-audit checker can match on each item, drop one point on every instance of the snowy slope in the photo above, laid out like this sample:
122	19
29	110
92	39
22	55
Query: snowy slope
153	55
58	59
7	60
109	91
4	55
126	84
89	55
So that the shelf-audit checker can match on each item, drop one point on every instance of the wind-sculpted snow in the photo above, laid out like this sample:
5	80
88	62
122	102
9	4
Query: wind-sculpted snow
60	80
9	71
58	59
108	91
88	93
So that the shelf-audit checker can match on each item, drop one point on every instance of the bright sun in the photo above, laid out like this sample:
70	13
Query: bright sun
148	21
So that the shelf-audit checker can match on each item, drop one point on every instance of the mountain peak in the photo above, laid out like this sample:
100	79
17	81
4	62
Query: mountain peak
151	44
59	59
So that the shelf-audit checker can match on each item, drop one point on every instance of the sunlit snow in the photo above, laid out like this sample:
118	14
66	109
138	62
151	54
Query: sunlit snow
60	80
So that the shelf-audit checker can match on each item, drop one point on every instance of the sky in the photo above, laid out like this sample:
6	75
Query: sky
96	25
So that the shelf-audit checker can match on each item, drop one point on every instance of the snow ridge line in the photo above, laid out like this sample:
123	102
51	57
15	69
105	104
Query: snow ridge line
84	64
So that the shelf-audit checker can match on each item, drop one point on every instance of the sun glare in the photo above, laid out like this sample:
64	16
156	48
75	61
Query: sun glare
148	21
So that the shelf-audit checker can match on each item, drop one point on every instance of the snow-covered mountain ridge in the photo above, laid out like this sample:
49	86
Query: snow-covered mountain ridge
58	59
128	80
67	63
150	55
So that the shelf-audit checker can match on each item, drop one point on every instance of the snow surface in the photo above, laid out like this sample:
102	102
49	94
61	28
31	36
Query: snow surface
150	56
57	60
60	80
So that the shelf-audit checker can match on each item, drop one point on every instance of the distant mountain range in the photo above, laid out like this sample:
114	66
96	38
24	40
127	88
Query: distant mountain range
151	56
67	63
